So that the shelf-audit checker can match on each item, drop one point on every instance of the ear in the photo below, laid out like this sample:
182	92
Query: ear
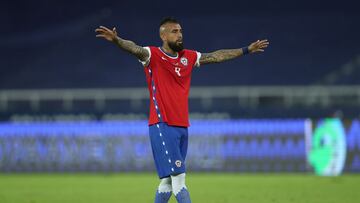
162	36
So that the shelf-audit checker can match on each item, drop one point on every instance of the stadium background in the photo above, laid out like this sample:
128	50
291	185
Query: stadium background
73	108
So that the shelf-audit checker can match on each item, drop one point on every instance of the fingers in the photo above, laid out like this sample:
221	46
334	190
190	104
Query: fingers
103	32
105	28
99	30
258	50
261	44
114	30
262	41
265	42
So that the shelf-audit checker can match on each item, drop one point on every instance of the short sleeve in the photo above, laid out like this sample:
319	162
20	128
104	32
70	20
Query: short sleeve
198	56
147	61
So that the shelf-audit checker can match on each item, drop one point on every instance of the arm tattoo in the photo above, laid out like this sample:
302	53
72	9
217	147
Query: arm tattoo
132	48
220	56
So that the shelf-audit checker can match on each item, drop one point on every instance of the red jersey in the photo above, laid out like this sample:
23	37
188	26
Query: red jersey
168	78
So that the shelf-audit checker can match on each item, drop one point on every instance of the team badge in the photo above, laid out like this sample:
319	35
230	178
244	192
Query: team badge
178	163
184	61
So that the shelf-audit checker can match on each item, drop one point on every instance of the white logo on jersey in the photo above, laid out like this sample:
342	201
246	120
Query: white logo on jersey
163	58
177	70
184	61
178	163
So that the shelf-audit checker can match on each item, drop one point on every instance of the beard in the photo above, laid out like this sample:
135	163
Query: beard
176	46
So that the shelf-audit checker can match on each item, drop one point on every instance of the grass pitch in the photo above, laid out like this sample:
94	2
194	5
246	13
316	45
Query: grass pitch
203	187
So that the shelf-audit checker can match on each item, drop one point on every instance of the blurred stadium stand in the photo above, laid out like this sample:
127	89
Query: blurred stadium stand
220	102
349	73
56	46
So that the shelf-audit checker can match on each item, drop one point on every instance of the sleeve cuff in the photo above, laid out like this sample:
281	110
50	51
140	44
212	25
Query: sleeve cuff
147	61
198	56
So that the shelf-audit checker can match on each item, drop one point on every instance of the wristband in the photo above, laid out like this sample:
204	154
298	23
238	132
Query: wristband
245	50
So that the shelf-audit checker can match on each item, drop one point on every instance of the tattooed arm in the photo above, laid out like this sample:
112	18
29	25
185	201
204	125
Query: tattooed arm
227	54
127	45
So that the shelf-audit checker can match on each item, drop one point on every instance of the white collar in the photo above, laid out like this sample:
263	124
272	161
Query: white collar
173	57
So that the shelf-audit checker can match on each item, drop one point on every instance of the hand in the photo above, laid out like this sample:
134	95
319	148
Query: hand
258	46
104	32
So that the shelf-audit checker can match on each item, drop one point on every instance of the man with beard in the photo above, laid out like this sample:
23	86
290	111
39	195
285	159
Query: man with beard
168	72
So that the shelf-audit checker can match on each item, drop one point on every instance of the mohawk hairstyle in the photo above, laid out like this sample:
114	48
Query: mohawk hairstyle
168	20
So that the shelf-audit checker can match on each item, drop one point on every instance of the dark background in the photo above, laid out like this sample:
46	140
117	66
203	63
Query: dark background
52	44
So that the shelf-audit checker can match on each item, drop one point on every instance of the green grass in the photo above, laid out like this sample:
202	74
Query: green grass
203	187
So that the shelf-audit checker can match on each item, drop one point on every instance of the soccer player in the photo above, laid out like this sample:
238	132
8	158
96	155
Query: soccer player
168	73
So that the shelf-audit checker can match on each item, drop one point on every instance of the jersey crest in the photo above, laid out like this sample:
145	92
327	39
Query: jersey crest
184	61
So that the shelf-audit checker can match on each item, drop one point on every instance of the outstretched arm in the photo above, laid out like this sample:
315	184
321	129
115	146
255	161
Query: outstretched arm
227	54
127	45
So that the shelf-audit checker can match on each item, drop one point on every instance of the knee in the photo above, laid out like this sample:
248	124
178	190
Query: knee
178	183
165	185
179	178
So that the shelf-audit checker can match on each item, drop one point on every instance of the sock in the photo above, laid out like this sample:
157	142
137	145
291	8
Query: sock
164	190
179	188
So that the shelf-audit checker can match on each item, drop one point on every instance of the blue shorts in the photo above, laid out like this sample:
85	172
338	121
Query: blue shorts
169	146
